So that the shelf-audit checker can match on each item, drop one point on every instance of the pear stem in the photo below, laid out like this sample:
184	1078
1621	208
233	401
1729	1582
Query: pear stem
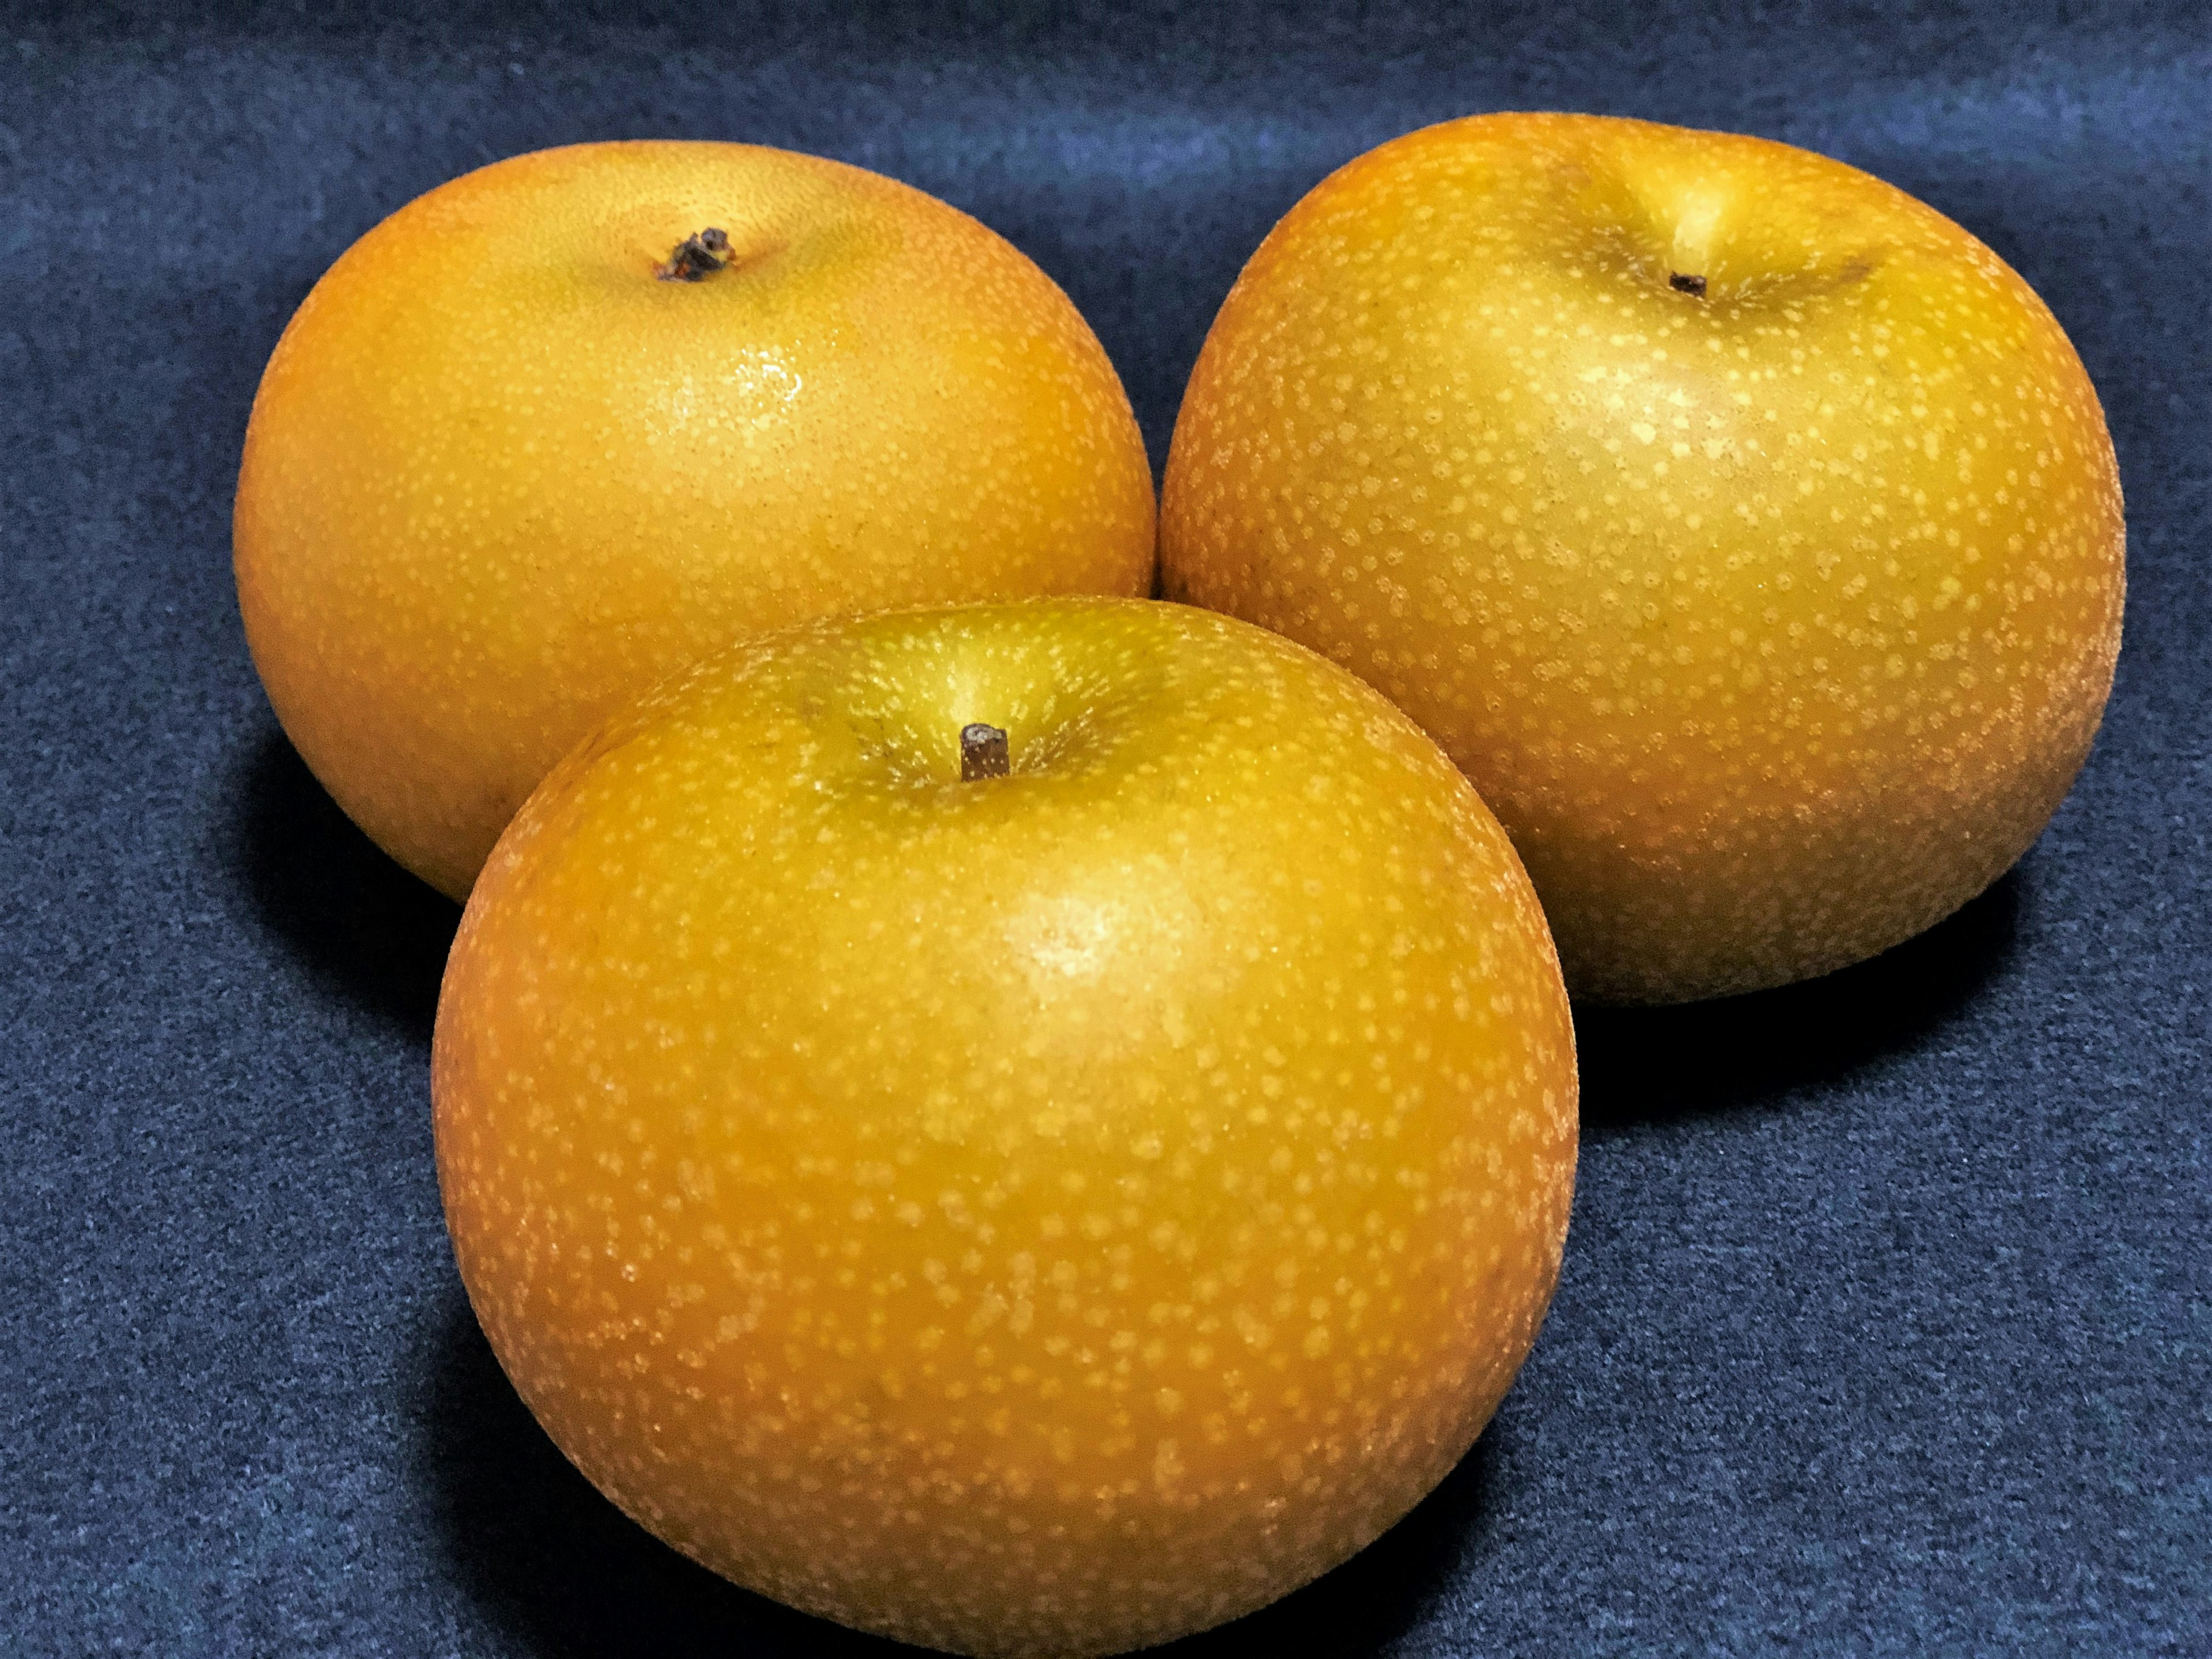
1692	286
982	752
696	257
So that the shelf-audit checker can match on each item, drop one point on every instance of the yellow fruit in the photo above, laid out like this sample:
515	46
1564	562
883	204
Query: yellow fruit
1748	531
1039	1214
507	467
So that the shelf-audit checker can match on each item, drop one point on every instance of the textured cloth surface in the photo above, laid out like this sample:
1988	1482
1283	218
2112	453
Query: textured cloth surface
1886	1318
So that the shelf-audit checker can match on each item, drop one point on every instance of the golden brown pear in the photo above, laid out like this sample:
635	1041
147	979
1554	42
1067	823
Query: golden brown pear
564	424
1746	530
1034	1214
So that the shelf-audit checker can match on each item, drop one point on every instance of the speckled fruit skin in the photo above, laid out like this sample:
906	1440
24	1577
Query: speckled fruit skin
1039	1215
499	478
1773	623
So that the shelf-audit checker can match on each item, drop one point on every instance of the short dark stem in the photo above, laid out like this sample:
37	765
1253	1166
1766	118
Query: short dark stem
1683	283
696	257
982	752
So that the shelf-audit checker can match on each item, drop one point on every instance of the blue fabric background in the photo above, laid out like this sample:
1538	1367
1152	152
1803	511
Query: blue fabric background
1886	1324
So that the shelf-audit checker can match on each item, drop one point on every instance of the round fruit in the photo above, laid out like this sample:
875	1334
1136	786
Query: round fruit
1747	530
1039	1213
559	427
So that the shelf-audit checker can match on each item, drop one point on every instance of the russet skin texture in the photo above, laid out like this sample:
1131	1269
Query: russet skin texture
500	476
1046	1214
1773	622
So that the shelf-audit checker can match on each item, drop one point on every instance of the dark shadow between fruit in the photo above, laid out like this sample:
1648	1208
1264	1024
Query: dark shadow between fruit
1642	1066
559	1567
337	902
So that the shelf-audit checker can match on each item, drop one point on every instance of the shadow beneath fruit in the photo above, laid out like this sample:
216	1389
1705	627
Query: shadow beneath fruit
1645	1065
364	925
558	1567
1365	1605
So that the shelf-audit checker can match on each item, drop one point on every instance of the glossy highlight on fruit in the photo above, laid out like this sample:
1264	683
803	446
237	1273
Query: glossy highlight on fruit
564	424
1040	1213
1747	530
